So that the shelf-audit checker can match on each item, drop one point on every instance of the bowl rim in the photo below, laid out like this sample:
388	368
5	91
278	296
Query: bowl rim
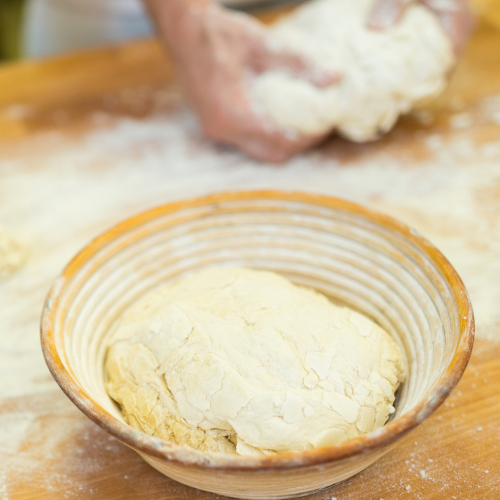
181	455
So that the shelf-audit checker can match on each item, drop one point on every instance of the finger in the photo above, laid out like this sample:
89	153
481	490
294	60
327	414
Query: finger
232	119
276	150
386	13
257	136
263	151
456	18
275	57
278	147
271	144
255	143
303	67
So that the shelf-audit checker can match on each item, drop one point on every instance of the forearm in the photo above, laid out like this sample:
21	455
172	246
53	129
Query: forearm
172	16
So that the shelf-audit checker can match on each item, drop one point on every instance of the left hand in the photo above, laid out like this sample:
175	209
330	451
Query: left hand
455	16
216	52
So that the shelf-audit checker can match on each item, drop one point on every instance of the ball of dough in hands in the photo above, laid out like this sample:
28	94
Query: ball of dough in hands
243	361
385	72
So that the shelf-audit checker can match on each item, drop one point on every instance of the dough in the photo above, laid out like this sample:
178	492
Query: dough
12	255
385	73
242	361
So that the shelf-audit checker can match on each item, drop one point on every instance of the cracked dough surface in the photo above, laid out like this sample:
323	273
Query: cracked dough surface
243	361
385	73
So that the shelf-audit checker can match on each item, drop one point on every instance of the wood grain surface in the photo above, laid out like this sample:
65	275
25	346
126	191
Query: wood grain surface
46	106
453	454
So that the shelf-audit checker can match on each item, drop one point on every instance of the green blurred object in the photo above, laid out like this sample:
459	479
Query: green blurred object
11	12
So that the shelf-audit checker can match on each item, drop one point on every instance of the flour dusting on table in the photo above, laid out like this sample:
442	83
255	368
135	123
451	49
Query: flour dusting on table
12	255
61	192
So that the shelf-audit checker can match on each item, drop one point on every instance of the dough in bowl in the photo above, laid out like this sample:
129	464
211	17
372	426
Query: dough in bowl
385	73
244	361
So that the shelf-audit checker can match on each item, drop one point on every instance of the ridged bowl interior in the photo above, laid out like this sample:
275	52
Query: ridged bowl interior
359	258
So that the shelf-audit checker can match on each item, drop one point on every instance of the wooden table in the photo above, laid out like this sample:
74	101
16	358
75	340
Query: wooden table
66	174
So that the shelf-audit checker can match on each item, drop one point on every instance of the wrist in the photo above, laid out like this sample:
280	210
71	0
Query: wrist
170	15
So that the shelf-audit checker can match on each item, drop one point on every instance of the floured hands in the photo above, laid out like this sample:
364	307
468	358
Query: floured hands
455	17
217	52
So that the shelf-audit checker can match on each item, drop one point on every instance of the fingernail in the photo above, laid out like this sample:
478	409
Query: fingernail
384	17
386	13
442	5
327	78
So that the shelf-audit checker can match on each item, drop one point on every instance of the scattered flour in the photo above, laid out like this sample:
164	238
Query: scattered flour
12	255
60	192
385	73
491	108
461	120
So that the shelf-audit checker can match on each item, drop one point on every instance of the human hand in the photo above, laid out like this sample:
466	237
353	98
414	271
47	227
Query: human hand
455	16
216	54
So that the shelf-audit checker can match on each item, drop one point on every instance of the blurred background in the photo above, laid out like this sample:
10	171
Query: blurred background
38	28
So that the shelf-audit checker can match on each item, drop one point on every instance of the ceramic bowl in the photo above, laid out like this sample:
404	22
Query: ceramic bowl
358	257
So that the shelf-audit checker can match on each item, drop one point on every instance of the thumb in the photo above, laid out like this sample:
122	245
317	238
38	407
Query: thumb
386	13
300	66
456	18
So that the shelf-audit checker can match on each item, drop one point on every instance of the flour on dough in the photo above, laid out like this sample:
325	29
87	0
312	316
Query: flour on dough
243	361
385	73
12	255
